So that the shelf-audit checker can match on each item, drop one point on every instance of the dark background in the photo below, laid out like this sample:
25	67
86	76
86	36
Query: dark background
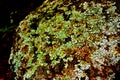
17	10
23	7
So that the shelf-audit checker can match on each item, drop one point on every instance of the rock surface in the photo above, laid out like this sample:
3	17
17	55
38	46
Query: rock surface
67	40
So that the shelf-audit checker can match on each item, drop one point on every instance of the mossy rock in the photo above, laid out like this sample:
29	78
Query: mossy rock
66	40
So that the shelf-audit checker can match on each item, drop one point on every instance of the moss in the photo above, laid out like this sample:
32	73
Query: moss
62	39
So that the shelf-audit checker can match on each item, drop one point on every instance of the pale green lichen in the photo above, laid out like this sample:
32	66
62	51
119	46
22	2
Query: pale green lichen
62	39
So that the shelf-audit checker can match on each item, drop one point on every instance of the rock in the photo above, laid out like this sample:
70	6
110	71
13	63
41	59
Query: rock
67	40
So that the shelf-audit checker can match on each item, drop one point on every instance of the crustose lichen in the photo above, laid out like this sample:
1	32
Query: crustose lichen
65	40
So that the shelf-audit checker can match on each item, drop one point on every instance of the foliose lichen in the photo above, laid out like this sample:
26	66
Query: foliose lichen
67	40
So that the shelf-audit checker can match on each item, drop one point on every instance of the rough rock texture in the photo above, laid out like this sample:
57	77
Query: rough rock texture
67	40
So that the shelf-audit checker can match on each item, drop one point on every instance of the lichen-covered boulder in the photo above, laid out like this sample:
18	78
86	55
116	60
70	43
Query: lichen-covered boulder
67	40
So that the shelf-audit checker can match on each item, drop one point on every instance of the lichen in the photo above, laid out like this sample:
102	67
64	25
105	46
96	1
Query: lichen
64	40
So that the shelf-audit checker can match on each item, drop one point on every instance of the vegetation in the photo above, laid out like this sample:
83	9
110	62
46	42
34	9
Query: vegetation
63	40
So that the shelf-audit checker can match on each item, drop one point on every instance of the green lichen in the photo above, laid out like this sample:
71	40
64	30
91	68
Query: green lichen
61	39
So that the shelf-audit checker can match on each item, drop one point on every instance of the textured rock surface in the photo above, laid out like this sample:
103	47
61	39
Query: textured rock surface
67	40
